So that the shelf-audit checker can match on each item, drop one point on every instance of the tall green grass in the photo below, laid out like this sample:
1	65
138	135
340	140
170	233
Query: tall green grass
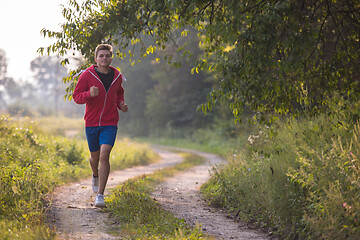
299	179
33	161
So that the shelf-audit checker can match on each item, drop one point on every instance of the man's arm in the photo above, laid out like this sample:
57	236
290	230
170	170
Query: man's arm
120	98
82	92
123	107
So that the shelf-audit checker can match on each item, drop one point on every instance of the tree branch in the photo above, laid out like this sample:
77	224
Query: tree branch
341	37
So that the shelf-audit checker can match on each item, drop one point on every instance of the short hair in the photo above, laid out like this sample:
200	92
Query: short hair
103	47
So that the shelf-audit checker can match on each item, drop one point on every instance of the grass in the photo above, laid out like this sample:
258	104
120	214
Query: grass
222	139
55	126
34	160
216	145
140	216
300	180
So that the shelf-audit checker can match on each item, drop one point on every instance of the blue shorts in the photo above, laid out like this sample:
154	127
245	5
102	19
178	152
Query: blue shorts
96	136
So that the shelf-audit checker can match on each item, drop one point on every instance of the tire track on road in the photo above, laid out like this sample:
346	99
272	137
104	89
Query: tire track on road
181	195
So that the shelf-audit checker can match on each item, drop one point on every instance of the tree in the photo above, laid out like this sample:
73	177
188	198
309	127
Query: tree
3	67
48	73
8	84
163	98
138	83
12	88
273	56
177	93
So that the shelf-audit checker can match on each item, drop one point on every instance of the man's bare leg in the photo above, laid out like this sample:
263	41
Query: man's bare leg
104	171
94	162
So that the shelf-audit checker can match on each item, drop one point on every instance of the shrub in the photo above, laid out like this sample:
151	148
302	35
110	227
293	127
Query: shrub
29	169
125	154
19	109
299	179
72	153
32	163
331	179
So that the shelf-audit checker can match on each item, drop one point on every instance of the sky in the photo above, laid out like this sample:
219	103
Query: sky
20	24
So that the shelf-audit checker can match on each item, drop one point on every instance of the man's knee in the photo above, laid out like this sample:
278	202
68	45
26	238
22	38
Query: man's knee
94	156
105	152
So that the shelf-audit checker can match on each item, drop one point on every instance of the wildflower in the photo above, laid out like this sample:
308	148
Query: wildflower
346	206
250	139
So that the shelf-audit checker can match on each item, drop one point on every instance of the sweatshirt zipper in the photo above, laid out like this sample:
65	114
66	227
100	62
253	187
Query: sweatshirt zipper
106	93
102	109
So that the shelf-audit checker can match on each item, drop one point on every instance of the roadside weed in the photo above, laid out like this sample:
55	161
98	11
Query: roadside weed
32	162
299	180
140	216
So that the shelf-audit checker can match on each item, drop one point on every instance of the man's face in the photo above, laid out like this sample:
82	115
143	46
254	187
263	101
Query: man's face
103	58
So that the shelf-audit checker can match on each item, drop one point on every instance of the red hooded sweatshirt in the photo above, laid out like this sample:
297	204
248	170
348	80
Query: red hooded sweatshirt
102	109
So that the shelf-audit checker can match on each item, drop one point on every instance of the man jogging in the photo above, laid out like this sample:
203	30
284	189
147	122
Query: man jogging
100	88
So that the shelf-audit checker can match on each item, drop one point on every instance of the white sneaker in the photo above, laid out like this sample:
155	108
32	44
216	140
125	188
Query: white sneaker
95	184
99	201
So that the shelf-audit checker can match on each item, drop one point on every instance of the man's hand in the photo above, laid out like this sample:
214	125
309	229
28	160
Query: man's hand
94	91
123	107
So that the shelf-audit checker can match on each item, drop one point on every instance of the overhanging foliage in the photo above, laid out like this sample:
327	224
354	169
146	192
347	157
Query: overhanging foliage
273	56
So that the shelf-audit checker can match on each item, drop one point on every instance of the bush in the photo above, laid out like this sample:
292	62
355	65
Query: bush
300	180
19	109
29	169
33	162
331	180
126	154
71	153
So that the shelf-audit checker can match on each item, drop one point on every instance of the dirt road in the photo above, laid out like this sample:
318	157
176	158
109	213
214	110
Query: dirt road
181	195
74	217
